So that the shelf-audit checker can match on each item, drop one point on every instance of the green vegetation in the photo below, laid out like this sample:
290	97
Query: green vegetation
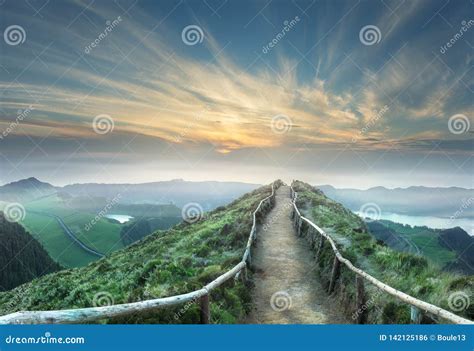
21	257
140	228
420	239
60	248
165	263
79	214
103	235
411	274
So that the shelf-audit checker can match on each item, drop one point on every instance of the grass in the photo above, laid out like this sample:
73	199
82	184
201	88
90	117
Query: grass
426	239
59	247
103	236
165	263
411	274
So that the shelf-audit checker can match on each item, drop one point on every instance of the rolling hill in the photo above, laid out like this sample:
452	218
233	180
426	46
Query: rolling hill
83	209
451	249
405	271
165	263
458	240
189	255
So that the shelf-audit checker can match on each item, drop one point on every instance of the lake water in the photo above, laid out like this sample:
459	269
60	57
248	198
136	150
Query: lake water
431	222
121	218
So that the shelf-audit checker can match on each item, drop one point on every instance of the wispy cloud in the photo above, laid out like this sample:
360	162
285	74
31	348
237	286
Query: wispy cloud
224	92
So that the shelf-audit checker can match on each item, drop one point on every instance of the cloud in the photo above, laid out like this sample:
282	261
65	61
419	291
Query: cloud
153	87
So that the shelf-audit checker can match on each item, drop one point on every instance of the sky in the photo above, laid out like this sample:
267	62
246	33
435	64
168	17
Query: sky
349	93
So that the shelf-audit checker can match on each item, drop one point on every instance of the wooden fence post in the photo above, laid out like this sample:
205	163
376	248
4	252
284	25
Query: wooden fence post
334	274
205	311
361	308
415	315
320	247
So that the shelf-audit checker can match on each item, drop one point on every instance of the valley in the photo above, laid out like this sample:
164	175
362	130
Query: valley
78	224
437	245
188	256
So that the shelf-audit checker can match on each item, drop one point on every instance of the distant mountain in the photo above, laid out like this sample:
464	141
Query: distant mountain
209	194
415	200
458	240
22	258
25	190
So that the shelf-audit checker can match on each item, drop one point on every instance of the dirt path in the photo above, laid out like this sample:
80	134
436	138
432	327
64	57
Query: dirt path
286	287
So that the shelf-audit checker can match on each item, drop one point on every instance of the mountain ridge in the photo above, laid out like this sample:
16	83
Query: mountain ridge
416	200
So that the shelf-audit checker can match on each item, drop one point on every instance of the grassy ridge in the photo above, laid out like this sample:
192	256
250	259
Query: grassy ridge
409	273
165	263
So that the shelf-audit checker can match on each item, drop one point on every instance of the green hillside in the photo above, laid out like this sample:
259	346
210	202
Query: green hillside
104	236
420	240
188	256
409	273
60	248
165	263
78	213
21	257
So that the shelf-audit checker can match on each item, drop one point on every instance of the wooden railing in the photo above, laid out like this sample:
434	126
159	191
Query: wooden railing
417	305
82	315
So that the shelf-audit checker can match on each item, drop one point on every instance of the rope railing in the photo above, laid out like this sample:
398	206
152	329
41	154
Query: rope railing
82	315
416	304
